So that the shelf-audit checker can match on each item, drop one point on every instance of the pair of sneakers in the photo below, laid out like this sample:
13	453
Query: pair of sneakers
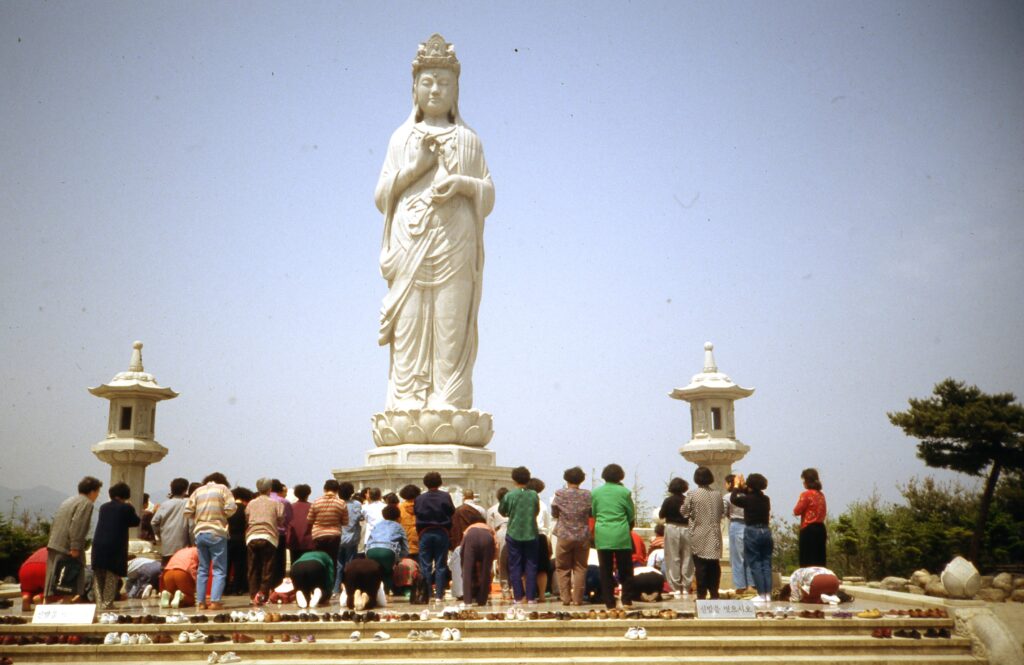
186	637
515	614
314	598
379	636
451	635
229	657
124	639
169	601
636	633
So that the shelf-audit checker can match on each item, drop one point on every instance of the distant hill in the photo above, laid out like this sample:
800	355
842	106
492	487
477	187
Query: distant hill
39	500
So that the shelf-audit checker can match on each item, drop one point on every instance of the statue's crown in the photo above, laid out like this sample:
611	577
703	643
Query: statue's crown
435	53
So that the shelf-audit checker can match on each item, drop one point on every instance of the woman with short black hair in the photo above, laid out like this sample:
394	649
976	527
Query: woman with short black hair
704	508
757	534
678	564
110	545
614	514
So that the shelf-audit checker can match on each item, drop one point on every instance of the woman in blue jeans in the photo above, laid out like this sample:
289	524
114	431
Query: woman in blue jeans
757	536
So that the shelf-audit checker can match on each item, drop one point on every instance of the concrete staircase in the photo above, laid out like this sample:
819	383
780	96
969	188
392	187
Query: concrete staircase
532	642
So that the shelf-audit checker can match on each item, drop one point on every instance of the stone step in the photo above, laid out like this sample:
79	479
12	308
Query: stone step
383	658
495	648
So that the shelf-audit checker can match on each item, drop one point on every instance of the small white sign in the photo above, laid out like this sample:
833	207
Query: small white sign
726	609
56	613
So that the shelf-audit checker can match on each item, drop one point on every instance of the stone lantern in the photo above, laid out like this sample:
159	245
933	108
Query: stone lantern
130	447
713	441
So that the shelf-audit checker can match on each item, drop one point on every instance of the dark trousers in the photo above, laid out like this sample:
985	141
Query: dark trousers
522	559
708	573
330	545
308	575
238	568
622	561
363	575
261	567
386	558
812	545
280	559
433	559
477	562
346	553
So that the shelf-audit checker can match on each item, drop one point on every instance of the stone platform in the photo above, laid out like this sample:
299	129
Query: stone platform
484	479
531	642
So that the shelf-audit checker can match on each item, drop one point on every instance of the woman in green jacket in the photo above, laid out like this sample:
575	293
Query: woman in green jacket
613	510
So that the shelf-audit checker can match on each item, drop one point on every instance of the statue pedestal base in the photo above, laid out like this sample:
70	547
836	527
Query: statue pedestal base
429	455
461	467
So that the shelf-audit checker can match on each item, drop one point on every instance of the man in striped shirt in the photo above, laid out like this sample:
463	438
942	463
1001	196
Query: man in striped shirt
264	516
326	517
210	506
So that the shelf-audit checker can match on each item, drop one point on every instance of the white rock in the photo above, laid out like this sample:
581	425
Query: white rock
921	578
1003	582
894	583
961	578
992	595
935	588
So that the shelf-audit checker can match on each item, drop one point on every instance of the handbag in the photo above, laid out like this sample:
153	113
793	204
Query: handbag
65	575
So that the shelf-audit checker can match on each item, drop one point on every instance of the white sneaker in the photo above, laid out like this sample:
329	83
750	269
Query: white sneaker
425	615
414	636
112	638
176	599
125	639
446	635
355	636
456	635
196	636
641	633
145	639
300	598
314	599
380	636
632	633
830	599
147	592
510	614
212	658
165	599
428	635
133	639
229	657
520	614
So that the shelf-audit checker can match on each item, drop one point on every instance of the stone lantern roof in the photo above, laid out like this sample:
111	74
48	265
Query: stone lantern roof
710	382
135	382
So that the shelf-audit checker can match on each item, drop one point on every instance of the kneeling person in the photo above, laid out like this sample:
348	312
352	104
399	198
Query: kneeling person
363	585
312	577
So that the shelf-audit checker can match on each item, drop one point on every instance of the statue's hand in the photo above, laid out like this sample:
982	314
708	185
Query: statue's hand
451	186
426	155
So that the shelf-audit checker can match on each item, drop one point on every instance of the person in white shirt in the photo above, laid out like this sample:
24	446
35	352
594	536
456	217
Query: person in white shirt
372	511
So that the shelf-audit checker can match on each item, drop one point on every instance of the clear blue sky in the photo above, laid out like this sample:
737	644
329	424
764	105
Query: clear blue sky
831	192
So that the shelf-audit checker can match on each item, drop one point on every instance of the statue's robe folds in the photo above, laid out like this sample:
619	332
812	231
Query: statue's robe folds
432	258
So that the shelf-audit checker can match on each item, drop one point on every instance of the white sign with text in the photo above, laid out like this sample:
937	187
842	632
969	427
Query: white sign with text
76	614
726	609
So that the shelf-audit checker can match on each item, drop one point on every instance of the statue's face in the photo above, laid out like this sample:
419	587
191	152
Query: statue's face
435	92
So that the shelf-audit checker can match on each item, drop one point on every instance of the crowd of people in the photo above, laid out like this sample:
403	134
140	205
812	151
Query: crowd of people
364	547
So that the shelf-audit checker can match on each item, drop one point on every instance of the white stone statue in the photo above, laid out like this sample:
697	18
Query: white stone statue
435	191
